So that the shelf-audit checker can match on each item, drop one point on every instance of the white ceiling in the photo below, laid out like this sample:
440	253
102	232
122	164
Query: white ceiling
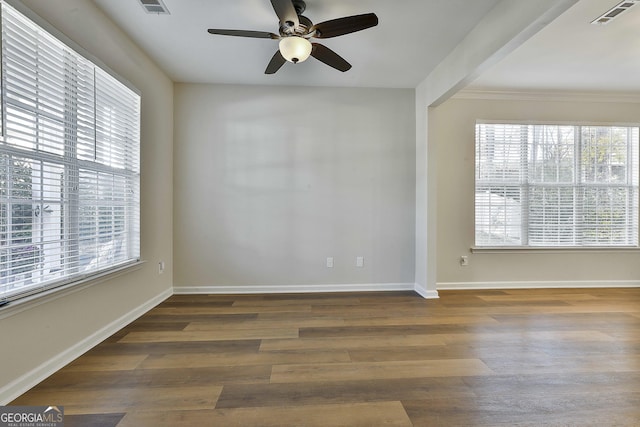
413	36
573	55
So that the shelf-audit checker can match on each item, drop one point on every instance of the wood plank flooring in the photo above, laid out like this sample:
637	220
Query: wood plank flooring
471	358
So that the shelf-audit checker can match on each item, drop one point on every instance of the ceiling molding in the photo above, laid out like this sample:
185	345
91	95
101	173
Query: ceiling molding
555	96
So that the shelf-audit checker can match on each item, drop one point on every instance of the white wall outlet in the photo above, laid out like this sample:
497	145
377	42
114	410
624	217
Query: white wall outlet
161	267
359	261
329	262
464	260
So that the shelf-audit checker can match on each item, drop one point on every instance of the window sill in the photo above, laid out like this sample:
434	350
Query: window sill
552	250
27	303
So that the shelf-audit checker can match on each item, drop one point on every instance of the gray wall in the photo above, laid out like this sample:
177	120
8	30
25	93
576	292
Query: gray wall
453	125
40	337
269	181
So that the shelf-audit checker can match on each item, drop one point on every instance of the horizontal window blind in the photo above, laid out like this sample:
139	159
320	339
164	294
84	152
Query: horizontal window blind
69	164
556	185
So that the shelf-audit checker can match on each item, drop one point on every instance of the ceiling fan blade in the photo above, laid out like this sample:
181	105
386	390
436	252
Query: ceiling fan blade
276	62
346	25
286	13
329	57
243	33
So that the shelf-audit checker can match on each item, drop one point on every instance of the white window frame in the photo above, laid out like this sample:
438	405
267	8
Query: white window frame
115	162
520	183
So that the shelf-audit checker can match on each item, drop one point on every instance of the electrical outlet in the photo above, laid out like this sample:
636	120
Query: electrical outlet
329	262
360	261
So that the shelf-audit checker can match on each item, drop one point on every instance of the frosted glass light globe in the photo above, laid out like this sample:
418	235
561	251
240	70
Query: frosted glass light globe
295	49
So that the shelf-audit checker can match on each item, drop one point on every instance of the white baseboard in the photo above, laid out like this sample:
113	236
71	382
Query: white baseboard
424	293
20	385
571	284
293	289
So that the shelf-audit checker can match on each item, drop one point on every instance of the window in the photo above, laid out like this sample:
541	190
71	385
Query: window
556	185
69	164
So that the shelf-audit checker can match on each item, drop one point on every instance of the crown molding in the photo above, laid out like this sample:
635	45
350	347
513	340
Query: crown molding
547	95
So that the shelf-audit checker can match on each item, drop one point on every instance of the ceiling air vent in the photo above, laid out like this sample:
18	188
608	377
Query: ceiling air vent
614	12
154	6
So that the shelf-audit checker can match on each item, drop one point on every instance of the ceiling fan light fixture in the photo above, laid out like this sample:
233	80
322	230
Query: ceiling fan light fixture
295	49
296	31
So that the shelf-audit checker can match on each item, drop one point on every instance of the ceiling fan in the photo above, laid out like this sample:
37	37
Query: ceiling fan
296	31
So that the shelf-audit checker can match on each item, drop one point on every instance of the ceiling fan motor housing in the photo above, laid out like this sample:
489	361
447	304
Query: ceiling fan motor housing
303	28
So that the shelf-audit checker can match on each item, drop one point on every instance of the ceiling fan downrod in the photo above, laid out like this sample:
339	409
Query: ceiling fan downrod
300	6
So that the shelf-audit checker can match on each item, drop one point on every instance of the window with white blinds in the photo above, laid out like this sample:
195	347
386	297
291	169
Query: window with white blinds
556	186
69	164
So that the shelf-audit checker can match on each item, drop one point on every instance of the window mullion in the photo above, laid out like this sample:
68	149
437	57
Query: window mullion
72	184
3	87
525	182
629	188
10	201
578	188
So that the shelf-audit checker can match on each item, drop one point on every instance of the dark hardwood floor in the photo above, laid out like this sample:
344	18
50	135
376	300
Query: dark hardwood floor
472	358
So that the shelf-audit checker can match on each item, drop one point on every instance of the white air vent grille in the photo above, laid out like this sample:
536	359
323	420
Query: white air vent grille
154	6
614	12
